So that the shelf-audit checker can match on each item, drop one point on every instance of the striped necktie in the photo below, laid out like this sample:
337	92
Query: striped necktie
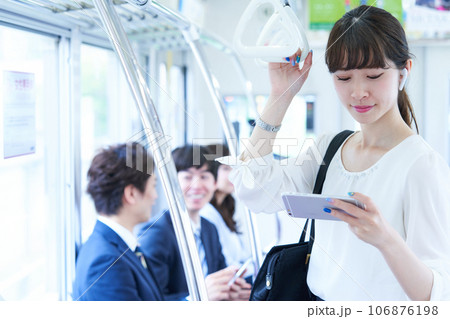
140	256
201	252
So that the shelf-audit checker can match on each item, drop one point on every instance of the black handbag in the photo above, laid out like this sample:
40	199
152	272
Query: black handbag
282	275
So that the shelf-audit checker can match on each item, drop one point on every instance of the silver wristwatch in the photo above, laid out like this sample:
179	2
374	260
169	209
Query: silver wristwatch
267	127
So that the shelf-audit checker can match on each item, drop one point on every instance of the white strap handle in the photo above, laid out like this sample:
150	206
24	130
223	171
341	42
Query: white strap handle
281	36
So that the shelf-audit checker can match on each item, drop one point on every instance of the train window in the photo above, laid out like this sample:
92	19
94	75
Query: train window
240	114
29	180
289	140
171	103
177	90
108	114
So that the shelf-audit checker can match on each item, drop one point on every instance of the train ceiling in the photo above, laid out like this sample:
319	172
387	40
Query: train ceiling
146	28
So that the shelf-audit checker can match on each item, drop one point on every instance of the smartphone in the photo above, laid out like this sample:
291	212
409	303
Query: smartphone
240	271
312	205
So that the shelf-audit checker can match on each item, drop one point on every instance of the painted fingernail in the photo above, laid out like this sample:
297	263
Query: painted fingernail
287	59
298	59
351	193
330	200
327	210
293	62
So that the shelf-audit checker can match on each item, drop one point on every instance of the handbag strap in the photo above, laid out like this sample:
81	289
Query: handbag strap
335	143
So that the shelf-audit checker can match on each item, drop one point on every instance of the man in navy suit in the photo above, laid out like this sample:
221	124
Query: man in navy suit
197	178
108	267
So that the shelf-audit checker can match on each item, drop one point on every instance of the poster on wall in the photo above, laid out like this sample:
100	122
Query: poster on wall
19	114
441	5
324	13
428	19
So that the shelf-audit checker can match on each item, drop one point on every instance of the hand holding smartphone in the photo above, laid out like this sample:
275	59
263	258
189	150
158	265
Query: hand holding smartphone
240	272
312	205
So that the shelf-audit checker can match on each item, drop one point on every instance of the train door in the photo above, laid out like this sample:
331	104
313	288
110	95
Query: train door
30	169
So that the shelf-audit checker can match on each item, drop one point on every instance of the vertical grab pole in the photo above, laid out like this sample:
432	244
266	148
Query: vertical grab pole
161	149
192	37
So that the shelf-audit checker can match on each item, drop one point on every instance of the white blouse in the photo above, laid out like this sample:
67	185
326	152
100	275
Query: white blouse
410	185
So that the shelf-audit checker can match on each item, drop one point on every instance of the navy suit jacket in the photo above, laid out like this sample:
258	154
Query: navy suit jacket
108	270
159	244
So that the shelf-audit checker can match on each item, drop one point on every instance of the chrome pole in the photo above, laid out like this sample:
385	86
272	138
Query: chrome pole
155	137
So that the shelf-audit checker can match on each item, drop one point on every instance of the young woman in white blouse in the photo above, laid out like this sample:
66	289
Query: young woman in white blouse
398	248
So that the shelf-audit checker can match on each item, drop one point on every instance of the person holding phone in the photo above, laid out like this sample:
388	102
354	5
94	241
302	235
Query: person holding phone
197	178
398	248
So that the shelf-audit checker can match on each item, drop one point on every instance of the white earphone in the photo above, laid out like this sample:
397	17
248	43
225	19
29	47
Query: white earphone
404	74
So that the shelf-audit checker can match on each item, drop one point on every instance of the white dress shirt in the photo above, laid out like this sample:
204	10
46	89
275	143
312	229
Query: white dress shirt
128	237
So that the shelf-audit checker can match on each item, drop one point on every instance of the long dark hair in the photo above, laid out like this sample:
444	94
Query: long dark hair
228	206
364	38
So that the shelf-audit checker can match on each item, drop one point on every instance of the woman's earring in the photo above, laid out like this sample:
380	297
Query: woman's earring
404	74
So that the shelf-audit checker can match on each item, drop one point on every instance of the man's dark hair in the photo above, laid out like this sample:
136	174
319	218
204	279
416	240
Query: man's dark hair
114	168
189	155
218	150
